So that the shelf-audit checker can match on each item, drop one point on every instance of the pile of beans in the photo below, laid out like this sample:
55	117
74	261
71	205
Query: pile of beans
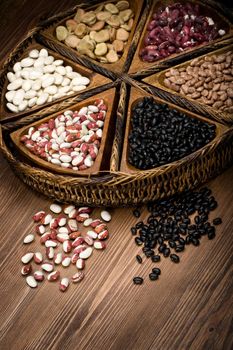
63	231
71	140
161	135
173	224
176	28
40	78
208	80
100	34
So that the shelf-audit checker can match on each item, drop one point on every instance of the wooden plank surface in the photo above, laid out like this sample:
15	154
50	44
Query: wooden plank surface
190	307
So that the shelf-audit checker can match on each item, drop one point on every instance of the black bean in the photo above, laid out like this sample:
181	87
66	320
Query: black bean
160	240
139	259
153	276
149	253
133	231
162	247
138	241
172	244
156	270
175	258
139	224
166	252
179	248
195	241
136	213
211	235
156	258
217	221
137	280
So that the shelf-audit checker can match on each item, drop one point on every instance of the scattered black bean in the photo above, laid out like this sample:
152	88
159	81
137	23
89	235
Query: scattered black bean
155	258
138	280
217	221
136	213
161	135
156	270
153	276
166	252
139	259
133	231
174	258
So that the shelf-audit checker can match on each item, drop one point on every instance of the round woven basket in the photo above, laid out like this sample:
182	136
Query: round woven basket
112	187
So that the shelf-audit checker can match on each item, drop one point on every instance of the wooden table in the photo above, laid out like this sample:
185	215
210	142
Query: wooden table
190	307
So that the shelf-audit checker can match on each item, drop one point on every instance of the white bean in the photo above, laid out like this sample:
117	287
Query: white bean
49	69
12	107
58	62
34	53
23	105
16	84
39	62
29	94
48	81
27	62
42	99
51	90
10	95
11	77
49	60
27	85
78	87
36	85
43	53
17	67
32	102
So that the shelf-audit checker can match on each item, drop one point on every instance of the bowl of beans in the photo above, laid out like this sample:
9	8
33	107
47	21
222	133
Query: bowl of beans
102	33
175	29
203	84
159	134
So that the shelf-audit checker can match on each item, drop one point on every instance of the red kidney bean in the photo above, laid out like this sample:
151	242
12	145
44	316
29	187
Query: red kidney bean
175	28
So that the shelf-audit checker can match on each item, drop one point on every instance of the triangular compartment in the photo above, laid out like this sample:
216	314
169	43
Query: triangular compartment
135	96
103	158
97	81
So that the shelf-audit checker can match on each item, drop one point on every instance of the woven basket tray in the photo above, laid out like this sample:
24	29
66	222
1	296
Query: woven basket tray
157	88
113	187
139	68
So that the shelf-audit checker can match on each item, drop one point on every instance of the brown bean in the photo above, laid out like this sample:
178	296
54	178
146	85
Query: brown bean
216	87
168	74
230	92
214	96
198	84
185	89
174	71
220	58
191	90
167	83
175	87
195	95
223	97
228	77
205	93
217	104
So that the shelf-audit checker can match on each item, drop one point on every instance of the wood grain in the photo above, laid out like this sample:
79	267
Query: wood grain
190	307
